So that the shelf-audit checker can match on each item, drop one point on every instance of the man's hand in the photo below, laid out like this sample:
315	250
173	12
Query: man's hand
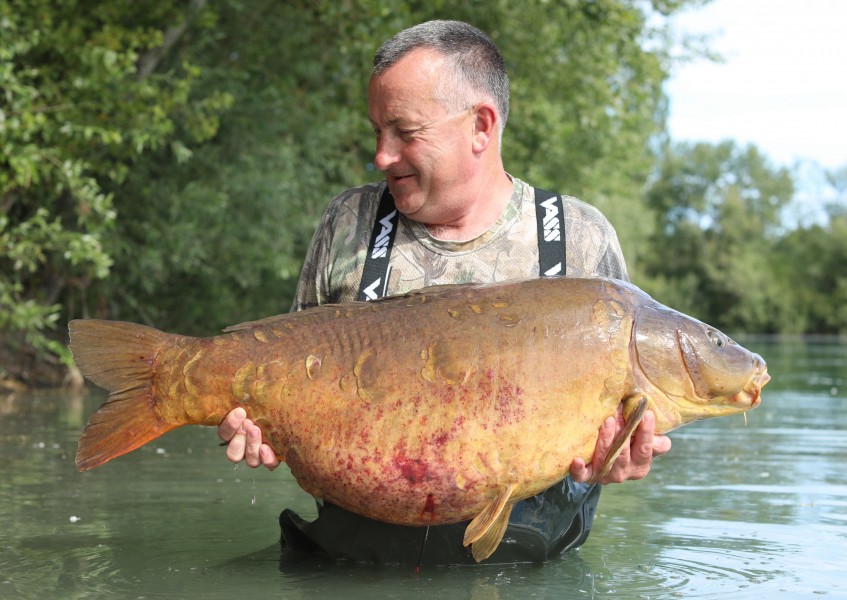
635	458
245	441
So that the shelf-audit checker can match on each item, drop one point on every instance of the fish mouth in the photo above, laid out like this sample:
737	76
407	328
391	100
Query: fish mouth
752	392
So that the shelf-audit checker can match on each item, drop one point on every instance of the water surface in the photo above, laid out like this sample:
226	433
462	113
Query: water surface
734	510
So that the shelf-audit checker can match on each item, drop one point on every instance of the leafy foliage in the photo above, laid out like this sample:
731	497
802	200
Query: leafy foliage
74	119
720	252
814	271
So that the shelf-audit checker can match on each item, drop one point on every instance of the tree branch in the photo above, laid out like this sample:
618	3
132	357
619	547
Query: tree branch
148	61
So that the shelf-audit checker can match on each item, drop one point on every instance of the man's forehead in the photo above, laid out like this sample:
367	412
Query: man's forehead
398	118
420	69
393	104
426	62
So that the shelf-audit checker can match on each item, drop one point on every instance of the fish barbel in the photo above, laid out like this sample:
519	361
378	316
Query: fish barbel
439	406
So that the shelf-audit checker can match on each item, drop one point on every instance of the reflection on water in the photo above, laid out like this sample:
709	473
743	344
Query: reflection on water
734	510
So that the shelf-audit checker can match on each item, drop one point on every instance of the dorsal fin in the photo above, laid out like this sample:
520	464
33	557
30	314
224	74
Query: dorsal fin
330	311
258	323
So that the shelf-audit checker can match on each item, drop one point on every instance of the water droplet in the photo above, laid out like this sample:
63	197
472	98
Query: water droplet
74	519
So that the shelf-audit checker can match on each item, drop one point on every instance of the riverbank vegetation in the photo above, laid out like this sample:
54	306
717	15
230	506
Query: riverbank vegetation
167	162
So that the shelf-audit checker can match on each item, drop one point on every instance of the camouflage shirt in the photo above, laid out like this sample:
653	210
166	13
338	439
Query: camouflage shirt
507	250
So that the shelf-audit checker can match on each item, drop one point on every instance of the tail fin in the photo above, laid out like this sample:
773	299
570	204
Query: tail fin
118	357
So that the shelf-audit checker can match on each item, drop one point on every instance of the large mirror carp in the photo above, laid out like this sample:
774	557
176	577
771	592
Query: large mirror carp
443	405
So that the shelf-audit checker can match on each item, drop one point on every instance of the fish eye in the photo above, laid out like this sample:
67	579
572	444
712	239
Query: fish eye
717	339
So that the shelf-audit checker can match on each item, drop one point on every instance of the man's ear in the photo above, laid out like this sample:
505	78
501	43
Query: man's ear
486	126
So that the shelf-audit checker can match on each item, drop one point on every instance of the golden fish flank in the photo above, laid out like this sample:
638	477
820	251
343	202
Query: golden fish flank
449	404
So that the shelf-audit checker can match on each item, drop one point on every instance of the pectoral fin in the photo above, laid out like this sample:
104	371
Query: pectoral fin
633	411
486	530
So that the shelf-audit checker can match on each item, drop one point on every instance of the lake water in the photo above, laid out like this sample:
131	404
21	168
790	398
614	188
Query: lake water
734	510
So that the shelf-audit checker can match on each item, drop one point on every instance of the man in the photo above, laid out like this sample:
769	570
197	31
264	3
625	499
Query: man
438	100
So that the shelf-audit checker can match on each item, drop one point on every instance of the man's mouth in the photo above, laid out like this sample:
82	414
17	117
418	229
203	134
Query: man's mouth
397	178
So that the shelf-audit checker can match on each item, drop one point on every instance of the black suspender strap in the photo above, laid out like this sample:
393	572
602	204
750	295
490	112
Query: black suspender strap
377	262
550	217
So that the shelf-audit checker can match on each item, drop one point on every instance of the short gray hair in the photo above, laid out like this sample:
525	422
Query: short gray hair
478	65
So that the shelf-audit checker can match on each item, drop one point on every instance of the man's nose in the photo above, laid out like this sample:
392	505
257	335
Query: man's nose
387	151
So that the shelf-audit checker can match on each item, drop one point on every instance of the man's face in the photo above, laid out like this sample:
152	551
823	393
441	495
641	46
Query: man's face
425	150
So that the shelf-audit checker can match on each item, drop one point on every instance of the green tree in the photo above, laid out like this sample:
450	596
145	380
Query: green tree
219	235
587	94
718	210
77	110
813	261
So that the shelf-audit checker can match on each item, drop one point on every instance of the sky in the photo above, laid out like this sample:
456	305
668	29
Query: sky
782	86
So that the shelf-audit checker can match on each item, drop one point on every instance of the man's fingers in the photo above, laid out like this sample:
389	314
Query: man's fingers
579	471
243	439
661	445
635	459
640	457
236	447
642	444
268	457
254	442
584	473
231	424
604	441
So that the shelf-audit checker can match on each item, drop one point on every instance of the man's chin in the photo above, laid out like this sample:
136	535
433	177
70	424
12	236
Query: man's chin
407	201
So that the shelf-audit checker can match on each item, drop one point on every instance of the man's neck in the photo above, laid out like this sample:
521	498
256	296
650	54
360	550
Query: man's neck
482	212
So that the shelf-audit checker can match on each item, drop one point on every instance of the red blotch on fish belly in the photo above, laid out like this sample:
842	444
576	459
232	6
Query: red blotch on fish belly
429	507
509	404
413	469
441	439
